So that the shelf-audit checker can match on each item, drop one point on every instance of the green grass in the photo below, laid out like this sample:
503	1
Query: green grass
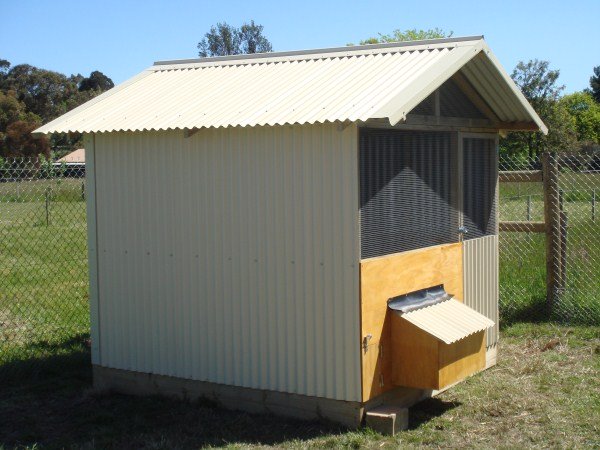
43	275
522	255
544	392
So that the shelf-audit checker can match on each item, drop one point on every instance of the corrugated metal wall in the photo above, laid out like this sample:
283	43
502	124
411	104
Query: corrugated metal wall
480	259
231	256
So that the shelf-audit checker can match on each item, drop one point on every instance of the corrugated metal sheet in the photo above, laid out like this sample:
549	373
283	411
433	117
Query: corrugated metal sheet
480	262
343	84
231	256
449	321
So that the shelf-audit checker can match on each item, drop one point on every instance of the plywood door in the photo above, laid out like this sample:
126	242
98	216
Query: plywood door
386	277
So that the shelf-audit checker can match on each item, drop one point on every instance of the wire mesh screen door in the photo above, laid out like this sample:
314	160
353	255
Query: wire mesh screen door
478	172
408	191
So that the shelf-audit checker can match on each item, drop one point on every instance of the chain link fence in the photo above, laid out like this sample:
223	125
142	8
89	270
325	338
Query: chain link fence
563	238
44	321
44	324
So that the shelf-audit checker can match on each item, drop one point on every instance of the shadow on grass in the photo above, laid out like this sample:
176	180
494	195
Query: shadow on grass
534	311
49	401
429	409
49	360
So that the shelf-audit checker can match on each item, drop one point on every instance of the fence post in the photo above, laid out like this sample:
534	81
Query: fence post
552	219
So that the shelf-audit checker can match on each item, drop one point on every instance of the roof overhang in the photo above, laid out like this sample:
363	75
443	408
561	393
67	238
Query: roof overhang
347	84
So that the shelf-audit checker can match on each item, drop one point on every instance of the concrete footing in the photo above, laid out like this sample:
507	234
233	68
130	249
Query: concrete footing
386	413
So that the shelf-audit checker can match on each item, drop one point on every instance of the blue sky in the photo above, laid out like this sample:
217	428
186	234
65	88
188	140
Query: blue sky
121	38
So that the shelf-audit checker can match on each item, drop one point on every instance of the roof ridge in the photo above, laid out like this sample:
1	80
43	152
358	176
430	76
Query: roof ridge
318	51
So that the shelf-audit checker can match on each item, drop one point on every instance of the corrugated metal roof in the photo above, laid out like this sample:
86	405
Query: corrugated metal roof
449	321
341	84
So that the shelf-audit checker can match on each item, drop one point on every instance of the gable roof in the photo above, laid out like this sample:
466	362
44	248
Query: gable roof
302	87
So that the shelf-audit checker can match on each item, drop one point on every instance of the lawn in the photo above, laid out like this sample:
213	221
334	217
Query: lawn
544	392
533	397
522	255
43	273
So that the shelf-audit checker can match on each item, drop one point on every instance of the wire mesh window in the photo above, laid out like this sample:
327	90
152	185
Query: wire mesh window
406	191
479	187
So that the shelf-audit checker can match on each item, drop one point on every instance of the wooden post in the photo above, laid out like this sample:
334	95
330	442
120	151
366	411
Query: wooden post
552	219
564	233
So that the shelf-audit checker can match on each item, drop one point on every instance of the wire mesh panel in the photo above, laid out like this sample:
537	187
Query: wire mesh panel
523	247
479	186
577	265
43	266
406	191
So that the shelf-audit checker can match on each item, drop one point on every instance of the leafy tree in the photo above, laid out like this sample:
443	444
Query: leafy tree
224	39
252	39
32	96
12	110
585	116
4	66
408	35
18	140
595	84
97	81
45	93
539	85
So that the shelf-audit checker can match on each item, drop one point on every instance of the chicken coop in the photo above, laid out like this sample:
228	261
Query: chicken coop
308	233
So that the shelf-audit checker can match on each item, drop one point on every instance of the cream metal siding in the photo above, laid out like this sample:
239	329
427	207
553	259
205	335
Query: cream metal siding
231	256
331	85
92	240
480	259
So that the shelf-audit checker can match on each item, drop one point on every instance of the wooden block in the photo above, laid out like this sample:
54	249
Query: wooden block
387	420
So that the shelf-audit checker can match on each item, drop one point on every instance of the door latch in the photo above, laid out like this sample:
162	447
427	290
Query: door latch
365	342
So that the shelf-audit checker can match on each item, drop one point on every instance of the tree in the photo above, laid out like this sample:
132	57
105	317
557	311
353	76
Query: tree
408	35
97	81
18	140
585	116
4	66
45	93
224	39
595	84
539	85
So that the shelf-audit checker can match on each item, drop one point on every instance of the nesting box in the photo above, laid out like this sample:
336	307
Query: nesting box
436	341
251	216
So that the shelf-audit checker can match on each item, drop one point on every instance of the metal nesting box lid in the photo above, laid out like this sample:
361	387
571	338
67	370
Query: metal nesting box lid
435	311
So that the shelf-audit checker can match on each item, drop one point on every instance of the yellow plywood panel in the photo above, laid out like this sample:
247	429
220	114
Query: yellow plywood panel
386	277
461	359
415	361
420	360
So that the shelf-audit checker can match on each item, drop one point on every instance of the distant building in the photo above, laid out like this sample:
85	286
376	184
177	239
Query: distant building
73	162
